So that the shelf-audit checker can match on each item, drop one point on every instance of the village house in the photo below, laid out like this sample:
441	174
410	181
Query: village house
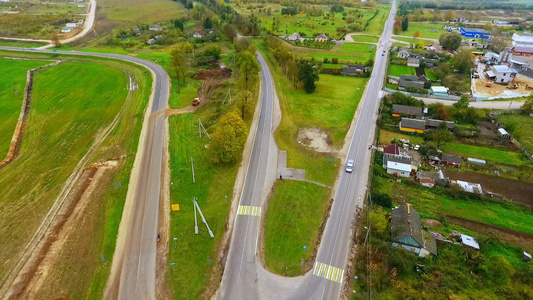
155	27
407	232
502	74
198	34
410	81
429	179
413	62
393	149
295	37
399	110
434	124
404	53
399	158
65	30
451	160
322	38
353	70
412	125
475	33
71	25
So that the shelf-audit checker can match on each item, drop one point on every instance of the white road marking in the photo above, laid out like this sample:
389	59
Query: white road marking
246	210
329	272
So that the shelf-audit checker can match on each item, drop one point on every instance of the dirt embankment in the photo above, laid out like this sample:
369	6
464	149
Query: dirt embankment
16	141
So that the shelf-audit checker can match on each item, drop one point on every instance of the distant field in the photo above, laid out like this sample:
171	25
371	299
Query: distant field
150	11
12	83
397	70
375	25
295	212
522	126
21	44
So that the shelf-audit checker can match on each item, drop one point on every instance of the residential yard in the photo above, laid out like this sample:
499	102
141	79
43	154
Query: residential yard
397	70
365	38
521	126
413	41
294	215
364	51
12	84
71	103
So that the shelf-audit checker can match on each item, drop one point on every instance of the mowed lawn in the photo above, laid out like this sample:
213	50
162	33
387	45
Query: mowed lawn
12	84
295	212
427	30
413	41
71	103
522	128
365	51
397	70
365	38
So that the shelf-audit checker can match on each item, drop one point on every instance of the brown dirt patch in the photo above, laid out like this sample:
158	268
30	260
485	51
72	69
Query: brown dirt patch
503	90
487	128
504	234
432	223
512	190
316	139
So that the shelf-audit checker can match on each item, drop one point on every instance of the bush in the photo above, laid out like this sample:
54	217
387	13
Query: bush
382	199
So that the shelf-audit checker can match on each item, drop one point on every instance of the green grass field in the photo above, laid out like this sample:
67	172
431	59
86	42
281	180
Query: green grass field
21	44
363	51
425	29
295	212
149	11
397	70
414	41
365	38
375	25
71	103
12	84
522	128
495	155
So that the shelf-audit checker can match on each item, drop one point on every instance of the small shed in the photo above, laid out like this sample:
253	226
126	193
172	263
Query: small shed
503	133
469	241
439	91
476	161
71	25
526	257
65	30
413	62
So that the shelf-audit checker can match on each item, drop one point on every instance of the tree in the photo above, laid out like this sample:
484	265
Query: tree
207	23
450	15
405	23
442	114
463	103
382	199
416	34
451	40
308	76
228	139
178	62
213	50
498	41
230	32
440	136
462	61
527	107
378	219
248	66
178	24
55	41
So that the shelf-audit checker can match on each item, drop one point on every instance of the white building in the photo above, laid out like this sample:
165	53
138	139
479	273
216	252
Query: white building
470	187
522	40
503	133
72	25
400	169
502	74
65	30
469	241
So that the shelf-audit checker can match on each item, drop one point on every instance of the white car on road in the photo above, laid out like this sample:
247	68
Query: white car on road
349	166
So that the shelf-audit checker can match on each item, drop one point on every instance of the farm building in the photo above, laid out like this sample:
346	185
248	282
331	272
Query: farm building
353	70
407	232
439	91
429	179
155	27
410	111
410	80
522	40
71	25
295	37
412	125
476	161
65	30
475	33
523	51
451	160
433	123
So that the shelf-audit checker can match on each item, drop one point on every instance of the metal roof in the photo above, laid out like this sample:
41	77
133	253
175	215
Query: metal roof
469	241
413	123
399	166
502	69
439	89
406	109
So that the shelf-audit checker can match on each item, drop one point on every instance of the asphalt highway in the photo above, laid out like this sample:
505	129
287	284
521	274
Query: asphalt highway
244	276
135	266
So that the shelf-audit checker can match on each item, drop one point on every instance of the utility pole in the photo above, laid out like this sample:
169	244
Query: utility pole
192	167
201	127
203	219
195	218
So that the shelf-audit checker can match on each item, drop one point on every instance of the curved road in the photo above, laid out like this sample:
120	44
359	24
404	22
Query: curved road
244	276
134	267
